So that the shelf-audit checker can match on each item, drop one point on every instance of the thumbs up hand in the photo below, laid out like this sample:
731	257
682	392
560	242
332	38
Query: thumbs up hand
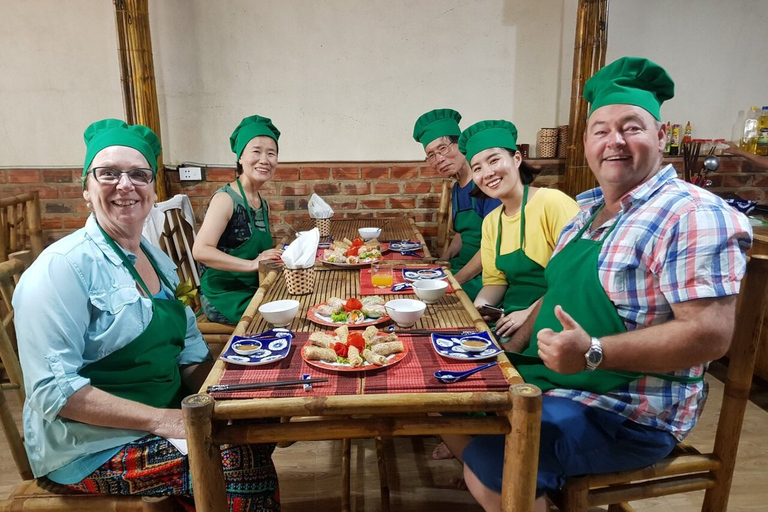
564	351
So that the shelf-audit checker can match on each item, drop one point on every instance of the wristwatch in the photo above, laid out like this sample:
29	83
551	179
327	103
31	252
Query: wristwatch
594	355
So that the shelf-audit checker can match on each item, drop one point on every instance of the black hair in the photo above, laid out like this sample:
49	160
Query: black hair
527	175
239	166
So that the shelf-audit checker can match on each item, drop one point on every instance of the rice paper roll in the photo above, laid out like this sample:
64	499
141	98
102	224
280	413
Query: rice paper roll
335	303
374	310
371	300
374	358
390	347
313	353
324	310
322	339
353	356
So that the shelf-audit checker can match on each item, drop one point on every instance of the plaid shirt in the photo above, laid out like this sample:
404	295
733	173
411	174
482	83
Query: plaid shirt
673	242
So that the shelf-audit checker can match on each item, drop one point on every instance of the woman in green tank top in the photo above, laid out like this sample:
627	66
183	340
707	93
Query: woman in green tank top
235	239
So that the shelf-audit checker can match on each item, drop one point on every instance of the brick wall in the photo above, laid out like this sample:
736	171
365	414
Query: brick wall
367	190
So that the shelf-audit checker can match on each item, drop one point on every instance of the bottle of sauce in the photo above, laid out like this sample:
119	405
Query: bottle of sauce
749	137
687	133
669	138
674	145
761	146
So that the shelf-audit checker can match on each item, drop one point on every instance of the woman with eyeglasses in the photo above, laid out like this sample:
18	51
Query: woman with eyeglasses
107	350
235	240
438	131
519	236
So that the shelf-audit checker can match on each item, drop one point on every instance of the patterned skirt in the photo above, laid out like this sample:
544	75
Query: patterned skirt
152	466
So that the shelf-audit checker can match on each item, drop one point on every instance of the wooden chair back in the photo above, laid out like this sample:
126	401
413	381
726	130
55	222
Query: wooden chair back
686	469
444	227
20	225
32	494
10	271
176	240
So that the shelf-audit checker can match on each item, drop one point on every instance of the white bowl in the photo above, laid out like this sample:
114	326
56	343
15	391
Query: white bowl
369	233
405	312
246	347
474	343
430	290
280	313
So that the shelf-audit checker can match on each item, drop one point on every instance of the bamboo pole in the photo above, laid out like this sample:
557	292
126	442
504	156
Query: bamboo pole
137	73
588	56
521	449
204	456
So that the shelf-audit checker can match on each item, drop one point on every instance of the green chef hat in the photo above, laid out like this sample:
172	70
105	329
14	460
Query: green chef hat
250	127
630	81
441	122
488	134
114	132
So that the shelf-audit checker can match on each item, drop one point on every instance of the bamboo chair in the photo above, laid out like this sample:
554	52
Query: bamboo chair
686	469
30	493
444	228
20	225
177	239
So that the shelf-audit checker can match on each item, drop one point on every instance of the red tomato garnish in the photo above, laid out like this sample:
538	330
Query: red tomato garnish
352	251
356	339
357	242
352	304
340	349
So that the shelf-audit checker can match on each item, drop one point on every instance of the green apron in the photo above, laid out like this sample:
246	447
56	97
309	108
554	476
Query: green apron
525	277
230	292
146	370
469	225
575	286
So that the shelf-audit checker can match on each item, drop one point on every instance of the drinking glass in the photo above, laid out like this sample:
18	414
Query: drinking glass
381	276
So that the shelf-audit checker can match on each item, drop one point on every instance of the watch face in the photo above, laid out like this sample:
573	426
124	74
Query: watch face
594	357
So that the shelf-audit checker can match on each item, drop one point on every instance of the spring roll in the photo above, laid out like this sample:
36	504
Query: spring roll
324	310
335	302
353	355
374	310
374	358
342	332
322	339
320	354
391	347
384	338
369	333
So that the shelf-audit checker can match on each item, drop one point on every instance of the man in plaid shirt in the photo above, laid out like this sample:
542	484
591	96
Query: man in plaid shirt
642	295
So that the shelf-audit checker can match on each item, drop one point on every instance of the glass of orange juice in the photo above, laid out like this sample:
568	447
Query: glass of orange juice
381	276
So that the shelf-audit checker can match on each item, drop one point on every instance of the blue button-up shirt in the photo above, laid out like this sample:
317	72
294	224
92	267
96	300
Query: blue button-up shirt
75	305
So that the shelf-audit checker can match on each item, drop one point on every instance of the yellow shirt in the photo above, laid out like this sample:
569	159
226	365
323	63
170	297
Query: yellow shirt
546	213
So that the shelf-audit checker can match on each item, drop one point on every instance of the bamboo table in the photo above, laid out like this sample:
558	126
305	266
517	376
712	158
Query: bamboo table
396	229
363	416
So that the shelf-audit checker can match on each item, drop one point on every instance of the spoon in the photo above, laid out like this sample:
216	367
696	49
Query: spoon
448	377
711	164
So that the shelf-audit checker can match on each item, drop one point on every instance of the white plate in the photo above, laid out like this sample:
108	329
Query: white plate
418	274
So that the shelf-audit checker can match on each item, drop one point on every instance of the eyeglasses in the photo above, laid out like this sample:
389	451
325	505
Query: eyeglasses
441	150
112	176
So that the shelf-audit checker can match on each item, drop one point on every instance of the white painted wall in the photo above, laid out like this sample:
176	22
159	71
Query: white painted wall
344	80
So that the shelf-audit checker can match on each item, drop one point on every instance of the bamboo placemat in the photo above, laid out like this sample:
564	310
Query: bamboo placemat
415	373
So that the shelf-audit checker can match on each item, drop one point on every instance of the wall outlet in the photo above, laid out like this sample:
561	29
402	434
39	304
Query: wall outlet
190	174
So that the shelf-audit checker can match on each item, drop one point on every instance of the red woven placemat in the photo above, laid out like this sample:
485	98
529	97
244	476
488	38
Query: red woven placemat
367	288
290	368
415	373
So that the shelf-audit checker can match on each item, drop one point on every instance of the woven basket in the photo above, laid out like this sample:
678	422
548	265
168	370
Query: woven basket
299	281
547	143
324	226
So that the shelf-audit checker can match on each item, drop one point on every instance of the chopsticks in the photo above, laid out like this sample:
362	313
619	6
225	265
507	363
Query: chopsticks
257	385
426	332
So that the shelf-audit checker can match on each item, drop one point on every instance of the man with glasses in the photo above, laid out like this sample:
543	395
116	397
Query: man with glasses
438	131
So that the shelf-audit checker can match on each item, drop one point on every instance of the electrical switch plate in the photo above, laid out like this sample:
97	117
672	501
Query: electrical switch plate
190	174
